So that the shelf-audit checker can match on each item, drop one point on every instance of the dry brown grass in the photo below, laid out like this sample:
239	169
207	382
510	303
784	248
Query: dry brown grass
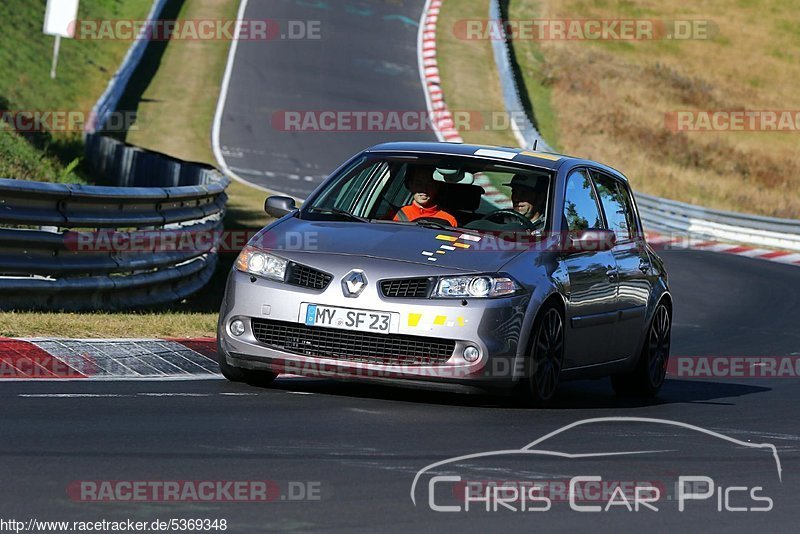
610	99
107	325
177	108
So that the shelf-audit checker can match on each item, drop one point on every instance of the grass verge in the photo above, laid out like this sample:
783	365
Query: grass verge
84	69
177	108
531	67
469	76
609	99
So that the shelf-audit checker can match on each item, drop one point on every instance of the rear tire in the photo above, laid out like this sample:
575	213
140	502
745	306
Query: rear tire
648	376
539	383
248	376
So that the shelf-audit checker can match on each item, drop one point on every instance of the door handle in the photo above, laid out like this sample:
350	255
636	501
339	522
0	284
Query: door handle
644	266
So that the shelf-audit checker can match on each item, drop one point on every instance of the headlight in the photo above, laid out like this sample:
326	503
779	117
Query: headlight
476	286
259	263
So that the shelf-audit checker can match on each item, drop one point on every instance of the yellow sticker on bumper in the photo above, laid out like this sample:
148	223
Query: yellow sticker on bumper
415	320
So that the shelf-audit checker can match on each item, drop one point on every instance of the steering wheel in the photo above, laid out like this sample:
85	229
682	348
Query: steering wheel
502	216
436	220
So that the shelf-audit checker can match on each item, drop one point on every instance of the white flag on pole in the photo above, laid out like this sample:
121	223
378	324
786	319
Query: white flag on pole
60	17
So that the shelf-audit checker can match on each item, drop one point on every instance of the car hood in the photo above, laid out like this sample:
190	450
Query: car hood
450	249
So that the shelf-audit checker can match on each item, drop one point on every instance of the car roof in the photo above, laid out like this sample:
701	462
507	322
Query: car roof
546	160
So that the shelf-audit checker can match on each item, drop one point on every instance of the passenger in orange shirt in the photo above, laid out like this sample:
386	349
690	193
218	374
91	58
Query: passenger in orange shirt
423	203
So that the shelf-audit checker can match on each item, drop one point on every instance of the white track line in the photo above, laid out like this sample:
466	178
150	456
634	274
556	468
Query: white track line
439	115
421	68
223	98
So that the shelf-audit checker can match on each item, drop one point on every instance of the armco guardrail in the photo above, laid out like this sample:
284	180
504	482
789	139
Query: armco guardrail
670	216
78	247
524	130
146	235
658	214
107	103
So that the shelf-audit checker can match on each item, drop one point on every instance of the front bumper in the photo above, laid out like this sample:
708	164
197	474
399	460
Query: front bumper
491	325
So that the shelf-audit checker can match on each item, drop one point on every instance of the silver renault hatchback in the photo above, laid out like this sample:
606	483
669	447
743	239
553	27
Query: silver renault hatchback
453	266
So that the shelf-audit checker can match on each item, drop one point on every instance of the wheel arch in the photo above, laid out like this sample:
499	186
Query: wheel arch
554	298
664	297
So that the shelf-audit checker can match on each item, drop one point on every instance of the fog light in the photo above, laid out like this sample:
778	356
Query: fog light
471	354
237	328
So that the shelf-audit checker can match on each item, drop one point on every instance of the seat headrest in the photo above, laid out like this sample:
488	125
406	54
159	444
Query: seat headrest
460	197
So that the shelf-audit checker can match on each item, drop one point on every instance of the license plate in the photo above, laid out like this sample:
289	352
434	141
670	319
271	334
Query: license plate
348	319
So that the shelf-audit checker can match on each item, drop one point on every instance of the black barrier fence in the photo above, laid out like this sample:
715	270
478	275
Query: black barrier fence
142	190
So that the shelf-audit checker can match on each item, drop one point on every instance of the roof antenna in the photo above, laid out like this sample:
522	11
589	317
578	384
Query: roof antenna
535	142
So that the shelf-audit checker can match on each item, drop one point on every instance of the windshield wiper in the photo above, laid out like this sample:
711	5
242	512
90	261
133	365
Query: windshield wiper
432	224
337	211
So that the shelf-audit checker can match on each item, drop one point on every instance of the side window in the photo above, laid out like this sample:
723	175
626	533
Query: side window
369	196
616	205
580	205
344	194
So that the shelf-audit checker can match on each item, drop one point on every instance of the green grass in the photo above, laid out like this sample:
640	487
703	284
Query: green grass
536	77
178	103
84	69
182	95
24	160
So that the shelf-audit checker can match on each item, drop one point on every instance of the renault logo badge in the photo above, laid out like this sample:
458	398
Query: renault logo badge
354	283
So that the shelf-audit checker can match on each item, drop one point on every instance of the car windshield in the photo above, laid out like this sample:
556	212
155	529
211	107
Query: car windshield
437	192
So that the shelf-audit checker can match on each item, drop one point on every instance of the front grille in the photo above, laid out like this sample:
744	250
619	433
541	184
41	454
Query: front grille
407	288
304	276
362	347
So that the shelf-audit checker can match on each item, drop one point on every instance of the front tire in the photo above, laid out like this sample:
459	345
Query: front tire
648	376
545	359
248	376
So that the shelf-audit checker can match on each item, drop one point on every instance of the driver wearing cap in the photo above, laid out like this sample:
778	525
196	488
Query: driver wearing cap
529	195
423	202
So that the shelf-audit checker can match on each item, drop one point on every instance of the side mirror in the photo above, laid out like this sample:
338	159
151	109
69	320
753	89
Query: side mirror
590	241
279	206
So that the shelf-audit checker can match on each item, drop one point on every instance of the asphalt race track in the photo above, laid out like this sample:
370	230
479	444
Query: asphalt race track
365	60
353	450
360	446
